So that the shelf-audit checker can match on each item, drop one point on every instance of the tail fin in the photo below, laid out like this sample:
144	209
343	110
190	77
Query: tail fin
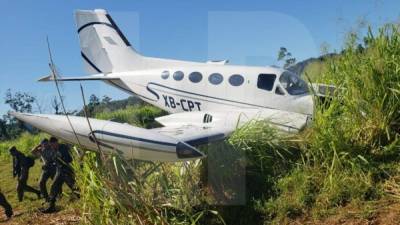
104	48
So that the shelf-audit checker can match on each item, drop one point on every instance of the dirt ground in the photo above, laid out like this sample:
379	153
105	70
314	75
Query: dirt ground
63	217
383	213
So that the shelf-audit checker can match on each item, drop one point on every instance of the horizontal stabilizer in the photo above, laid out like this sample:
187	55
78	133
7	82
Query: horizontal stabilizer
99	76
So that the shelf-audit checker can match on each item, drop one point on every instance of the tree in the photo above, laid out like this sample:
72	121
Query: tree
55	104
286	56
106	99
20	102
3	130
93	100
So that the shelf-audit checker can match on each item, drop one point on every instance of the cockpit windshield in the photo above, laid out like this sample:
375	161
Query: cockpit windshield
293	83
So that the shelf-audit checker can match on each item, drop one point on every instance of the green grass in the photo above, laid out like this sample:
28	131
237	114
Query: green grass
25	143
142	116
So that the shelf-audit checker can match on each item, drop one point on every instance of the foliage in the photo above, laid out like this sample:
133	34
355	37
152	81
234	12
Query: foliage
285	56
24	143
19	102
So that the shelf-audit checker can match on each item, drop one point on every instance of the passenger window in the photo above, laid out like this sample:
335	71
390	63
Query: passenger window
279	91
236	80
165	74
178	75
266	81
195	77
215	78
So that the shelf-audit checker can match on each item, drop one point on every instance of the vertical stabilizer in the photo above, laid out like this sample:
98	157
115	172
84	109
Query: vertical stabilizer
104	48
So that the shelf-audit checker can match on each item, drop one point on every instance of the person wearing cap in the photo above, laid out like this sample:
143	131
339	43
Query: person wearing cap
64	174
49	157
7	207
21	166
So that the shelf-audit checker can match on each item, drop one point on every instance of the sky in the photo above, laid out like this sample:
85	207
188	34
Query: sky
244	32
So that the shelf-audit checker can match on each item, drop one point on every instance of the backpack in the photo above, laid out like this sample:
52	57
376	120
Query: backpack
30	161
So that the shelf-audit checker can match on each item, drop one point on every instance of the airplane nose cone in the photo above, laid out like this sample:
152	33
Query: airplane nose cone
185	151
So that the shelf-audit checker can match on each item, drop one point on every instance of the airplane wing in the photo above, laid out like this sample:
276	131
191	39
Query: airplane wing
198	128
176	141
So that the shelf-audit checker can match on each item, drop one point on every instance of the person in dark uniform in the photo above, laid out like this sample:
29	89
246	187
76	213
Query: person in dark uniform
49	157
21	166
64	174
7	207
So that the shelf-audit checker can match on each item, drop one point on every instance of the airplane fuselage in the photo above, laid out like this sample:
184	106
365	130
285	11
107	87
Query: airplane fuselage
213	87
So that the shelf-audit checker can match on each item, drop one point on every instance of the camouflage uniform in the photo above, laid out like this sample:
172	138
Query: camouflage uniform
21	166
64	174
49	157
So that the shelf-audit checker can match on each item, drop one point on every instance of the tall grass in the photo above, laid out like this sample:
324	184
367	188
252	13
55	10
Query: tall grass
352	147
116	191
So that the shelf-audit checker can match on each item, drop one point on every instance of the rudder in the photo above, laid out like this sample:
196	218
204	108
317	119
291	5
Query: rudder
104	48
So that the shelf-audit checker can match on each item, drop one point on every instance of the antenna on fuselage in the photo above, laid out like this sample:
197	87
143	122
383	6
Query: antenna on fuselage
55	76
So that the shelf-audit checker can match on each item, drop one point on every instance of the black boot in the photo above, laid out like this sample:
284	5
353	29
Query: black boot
51	208
39	195
9	212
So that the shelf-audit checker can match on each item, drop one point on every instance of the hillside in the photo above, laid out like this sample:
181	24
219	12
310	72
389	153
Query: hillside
313	67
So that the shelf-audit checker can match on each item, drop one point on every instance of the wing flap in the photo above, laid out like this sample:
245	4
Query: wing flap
195	135
196	128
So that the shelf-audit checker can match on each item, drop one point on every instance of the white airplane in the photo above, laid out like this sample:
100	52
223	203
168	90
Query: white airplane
207	101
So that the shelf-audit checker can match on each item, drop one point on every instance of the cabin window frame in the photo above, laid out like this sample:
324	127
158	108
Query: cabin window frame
215	75
178	75
165	74
195	77
231	80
